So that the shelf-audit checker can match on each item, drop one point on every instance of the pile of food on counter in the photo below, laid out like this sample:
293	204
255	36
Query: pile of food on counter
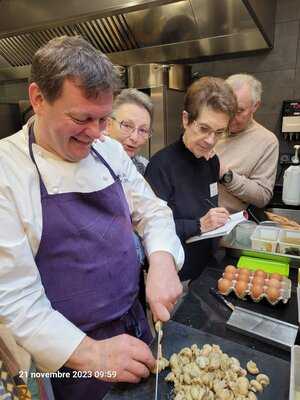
256	284
209	374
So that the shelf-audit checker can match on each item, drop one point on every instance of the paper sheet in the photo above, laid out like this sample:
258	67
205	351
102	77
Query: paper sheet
233	220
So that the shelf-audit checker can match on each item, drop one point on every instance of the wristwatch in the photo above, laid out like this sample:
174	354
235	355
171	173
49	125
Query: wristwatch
227	177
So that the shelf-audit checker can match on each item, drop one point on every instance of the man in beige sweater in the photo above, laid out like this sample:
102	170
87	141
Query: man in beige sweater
249	152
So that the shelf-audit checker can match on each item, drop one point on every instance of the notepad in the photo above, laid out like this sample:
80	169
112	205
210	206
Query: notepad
234	220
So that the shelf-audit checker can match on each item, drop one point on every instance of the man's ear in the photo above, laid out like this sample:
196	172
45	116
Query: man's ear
256	106
36	98
185	119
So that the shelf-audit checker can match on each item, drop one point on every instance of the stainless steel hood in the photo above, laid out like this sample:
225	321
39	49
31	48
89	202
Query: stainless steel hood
135	31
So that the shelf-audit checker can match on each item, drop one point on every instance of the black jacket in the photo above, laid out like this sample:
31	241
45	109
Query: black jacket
183	181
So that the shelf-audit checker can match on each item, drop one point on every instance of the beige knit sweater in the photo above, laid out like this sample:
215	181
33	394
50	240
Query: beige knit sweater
252	156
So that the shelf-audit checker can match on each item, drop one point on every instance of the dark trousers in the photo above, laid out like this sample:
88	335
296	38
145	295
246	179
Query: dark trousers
197	256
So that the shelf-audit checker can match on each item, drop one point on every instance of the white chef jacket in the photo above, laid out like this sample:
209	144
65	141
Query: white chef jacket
24	307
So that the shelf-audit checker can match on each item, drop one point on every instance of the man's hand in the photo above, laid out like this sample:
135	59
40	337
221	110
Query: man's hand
163	287
215	218
122	358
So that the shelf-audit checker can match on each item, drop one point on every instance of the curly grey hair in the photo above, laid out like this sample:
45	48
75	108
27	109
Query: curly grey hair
236	81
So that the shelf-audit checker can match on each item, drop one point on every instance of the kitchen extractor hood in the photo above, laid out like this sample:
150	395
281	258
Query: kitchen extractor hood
135	31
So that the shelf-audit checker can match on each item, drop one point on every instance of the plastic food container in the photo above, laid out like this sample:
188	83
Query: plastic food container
243	232
289	242
265	238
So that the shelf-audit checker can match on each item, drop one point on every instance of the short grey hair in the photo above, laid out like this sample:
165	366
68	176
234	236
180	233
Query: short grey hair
73	58
134	96
236	81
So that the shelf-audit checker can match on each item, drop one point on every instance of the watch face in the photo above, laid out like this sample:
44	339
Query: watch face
227	177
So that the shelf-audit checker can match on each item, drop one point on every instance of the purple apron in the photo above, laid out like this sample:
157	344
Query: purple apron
89	269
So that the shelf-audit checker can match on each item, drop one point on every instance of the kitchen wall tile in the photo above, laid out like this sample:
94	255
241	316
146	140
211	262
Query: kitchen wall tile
270	121
277	86
283	78
298	51
287	10
14	91
296	94
282	56
202	69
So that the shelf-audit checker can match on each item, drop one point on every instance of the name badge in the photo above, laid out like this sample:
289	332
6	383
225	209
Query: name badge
213	188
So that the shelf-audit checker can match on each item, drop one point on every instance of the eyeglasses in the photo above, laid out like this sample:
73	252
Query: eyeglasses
128	128
205	130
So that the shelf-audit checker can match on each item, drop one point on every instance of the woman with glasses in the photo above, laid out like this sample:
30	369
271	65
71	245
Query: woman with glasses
130	124
186	173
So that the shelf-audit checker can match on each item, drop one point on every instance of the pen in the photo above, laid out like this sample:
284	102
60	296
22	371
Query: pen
214	206
211	203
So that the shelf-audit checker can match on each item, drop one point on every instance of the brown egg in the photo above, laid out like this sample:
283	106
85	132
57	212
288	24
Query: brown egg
229	275
240	288
258	280
243	272
272	293
276	276
230	268
243	277
224	285
274	283
260	272
256	291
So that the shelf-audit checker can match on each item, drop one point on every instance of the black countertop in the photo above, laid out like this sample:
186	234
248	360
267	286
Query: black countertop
201	310
177	336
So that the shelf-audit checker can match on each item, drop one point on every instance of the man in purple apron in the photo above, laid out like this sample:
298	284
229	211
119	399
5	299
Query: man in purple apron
90	296
86	256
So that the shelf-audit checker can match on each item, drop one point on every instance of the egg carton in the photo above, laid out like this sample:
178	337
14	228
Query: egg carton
269	287
269	280
252	278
